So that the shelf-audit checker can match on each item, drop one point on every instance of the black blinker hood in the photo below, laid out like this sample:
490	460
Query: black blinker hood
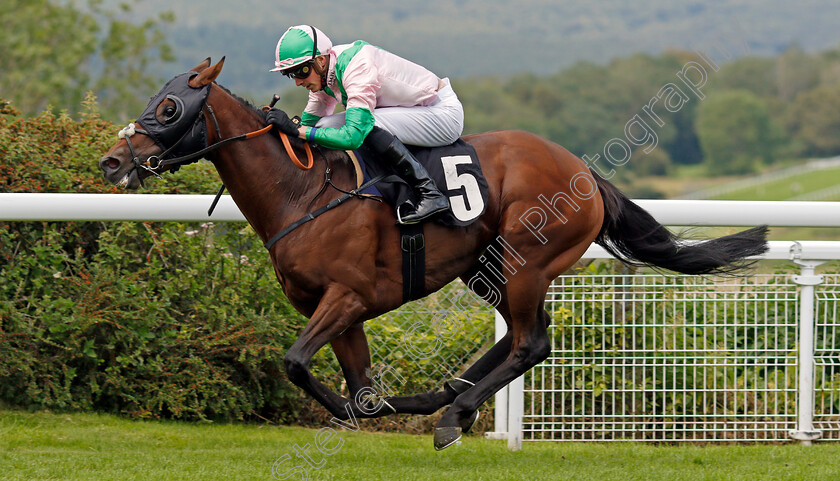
188	124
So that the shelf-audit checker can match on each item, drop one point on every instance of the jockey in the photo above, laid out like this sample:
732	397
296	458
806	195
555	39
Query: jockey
387	99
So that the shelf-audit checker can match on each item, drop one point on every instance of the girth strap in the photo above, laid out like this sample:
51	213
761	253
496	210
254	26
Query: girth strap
413	247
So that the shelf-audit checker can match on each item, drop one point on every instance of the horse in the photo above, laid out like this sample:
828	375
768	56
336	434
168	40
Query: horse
545	208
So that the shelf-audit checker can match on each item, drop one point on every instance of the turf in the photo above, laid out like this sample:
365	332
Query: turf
48	446
790	187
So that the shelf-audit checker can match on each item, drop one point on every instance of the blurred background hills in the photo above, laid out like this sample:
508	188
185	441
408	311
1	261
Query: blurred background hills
574	72
459	38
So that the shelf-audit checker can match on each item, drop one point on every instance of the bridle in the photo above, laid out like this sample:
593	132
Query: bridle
156	164
161	161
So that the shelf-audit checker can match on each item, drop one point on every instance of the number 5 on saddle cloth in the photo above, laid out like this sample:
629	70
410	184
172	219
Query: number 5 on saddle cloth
455	170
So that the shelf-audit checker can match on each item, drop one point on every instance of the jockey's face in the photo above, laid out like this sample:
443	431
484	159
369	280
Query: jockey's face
311	82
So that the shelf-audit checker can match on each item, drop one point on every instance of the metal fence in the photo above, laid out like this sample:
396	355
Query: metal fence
685	358
827	359
667	358
642	357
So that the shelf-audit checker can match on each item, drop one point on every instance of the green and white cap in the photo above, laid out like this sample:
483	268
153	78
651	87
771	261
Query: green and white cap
296	46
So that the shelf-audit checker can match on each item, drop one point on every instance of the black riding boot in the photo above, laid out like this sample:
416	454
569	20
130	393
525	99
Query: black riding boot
432	201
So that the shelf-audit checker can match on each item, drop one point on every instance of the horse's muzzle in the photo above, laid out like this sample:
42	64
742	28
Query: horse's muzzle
115	172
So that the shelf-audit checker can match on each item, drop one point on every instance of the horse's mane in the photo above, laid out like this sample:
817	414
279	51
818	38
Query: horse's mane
245	102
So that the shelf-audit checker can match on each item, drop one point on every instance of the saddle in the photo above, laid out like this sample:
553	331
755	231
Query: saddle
454	168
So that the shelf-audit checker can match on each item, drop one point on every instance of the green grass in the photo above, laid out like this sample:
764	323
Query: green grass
787	188
784	189
46	446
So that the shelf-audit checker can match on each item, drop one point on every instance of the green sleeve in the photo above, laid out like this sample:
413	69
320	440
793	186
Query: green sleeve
308	120
358	122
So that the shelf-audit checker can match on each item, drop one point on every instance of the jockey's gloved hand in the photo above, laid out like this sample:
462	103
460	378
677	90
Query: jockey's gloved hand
279	118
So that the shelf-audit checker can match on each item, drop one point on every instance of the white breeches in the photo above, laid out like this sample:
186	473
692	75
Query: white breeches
439	123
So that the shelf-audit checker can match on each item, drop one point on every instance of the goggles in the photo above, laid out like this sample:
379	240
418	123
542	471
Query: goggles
299	72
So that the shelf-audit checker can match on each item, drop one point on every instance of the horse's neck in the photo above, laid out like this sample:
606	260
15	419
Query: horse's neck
269	190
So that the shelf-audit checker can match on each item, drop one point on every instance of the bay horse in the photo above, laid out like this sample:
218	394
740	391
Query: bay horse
545	208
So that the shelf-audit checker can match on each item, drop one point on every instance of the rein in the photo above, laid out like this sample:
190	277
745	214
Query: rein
331	205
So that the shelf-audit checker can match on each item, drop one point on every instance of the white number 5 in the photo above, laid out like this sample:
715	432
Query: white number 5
454	181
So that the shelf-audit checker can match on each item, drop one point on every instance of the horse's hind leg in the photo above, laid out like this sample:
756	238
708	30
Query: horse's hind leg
432	401
530	345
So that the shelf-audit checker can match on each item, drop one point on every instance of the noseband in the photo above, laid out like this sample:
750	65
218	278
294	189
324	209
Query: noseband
155	163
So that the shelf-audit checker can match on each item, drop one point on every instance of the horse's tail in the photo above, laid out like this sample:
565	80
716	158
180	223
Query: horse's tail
633	236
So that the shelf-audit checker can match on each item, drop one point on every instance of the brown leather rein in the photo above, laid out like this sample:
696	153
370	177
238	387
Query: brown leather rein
310	161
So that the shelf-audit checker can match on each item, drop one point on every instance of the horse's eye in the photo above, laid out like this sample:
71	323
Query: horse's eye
173	109
170	114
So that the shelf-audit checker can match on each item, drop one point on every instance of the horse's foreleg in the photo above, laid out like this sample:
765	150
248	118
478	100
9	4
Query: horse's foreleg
351	350
336	314
430	402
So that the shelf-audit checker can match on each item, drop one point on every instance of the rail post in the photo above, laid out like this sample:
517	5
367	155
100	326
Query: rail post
516	409
808	260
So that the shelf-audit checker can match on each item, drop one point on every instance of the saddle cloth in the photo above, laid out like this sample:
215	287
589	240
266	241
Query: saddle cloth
455	170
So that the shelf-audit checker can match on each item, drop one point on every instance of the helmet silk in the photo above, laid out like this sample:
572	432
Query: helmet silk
298	46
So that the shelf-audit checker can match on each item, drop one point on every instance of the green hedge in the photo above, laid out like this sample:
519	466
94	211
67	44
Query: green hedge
146	319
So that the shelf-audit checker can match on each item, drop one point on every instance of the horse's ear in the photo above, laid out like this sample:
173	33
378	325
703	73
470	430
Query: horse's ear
203	65
207	75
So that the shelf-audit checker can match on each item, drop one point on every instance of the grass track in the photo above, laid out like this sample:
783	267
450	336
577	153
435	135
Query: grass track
789	187
46	446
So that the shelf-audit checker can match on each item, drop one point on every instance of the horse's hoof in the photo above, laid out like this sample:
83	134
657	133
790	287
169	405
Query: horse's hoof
445	437
469	423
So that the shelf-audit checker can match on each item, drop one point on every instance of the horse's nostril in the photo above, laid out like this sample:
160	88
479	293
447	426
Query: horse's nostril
109	163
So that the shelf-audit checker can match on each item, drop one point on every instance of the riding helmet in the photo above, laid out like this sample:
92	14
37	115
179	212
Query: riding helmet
296	47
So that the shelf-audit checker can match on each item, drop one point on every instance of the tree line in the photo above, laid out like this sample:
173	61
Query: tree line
754	111
54	52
